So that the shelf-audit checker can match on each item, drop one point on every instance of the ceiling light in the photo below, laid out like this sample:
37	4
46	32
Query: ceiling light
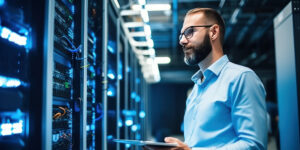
150	43
117	3
144	15
158	7
151	52
136	7
142	2
153	7
233	19
162	60
147	30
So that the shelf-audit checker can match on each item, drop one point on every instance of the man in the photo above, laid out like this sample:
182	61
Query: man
226	108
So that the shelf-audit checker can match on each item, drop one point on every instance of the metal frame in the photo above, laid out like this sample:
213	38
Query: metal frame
104	73
48	76
118	82
83	115
126	74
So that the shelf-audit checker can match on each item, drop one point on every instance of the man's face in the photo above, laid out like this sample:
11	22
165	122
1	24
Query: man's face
197	47
194	54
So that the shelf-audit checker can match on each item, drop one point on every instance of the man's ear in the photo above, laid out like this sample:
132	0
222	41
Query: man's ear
214	32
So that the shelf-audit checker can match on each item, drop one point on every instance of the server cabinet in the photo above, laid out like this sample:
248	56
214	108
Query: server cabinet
133	101
20	74
123	90
287	47
64	75
94	103
112	76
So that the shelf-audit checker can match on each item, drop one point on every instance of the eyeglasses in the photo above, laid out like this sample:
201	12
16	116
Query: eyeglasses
188	32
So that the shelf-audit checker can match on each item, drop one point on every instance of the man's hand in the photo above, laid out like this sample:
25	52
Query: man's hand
181	145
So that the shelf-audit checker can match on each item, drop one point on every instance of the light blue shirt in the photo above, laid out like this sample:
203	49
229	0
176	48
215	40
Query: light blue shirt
226	111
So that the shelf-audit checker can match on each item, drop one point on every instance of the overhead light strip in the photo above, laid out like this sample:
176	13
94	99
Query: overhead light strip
153	7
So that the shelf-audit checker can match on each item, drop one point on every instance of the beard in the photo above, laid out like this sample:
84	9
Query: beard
199	52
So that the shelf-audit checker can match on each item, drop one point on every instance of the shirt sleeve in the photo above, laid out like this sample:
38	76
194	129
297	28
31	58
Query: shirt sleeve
248	112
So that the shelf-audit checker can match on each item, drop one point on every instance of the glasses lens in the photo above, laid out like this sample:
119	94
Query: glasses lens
188	33
180	36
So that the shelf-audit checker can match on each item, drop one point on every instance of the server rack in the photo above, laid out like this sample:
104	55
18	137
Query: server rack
19	91
65	68
75	77
94	88
112	76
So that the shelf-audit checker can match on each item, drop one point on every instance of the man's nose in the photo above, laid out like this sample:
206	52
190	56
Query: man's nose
183	41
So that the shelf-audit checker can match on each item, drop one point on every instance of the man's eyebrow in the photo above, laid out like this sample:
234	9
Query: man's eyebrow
184	30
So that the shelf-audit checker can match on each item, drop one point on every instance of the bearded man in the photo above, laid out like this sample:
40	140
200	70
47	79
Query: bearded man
226	109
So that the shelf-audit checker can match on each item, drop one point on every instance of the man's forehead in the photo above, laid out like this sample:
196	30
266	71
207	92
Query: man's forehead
192	20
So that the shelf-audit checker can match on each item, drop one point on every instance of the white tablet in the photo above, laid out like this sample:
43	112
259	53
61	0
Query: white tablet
145	143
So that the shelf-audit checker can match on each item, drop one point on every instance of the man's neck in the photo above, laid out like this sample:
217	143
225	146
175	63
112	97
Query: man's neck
209	60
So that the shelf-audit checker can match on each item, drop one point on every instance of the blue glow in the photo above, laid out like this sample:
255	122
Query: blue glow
128	69
120	76
120	123
13	83
2	81
9	129
128	145
135	127
7	82
110	49
133	95
20	40
142	114
129	112
138	136
55	137
137	80
88	128
73	9
13	37
17	127
111	91
111	46
137	99
2	2
92	127
128	122
5	32
92	69
109	137
111	76
6	129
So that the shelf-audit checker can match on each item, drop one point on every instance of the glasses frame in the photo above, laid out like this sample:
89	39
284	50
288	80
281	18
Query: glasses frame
188	37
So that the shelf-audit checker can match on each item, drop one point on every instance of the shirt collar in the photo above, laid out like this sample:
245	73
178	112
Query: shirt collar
215	68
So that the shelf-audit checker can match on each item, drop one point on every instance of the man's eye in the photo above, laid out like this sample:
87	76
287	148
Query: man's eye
189	31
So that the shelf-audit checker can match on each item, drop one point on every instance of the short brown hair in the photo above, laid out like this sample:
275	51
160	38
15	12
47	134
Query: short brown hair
212	15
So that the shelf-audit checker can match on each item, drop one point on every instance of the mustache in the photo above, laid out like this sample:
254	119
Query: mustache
184	48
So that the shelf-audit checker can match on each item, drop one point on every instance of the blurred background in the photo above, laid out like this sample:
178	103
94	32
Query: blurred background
77	74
